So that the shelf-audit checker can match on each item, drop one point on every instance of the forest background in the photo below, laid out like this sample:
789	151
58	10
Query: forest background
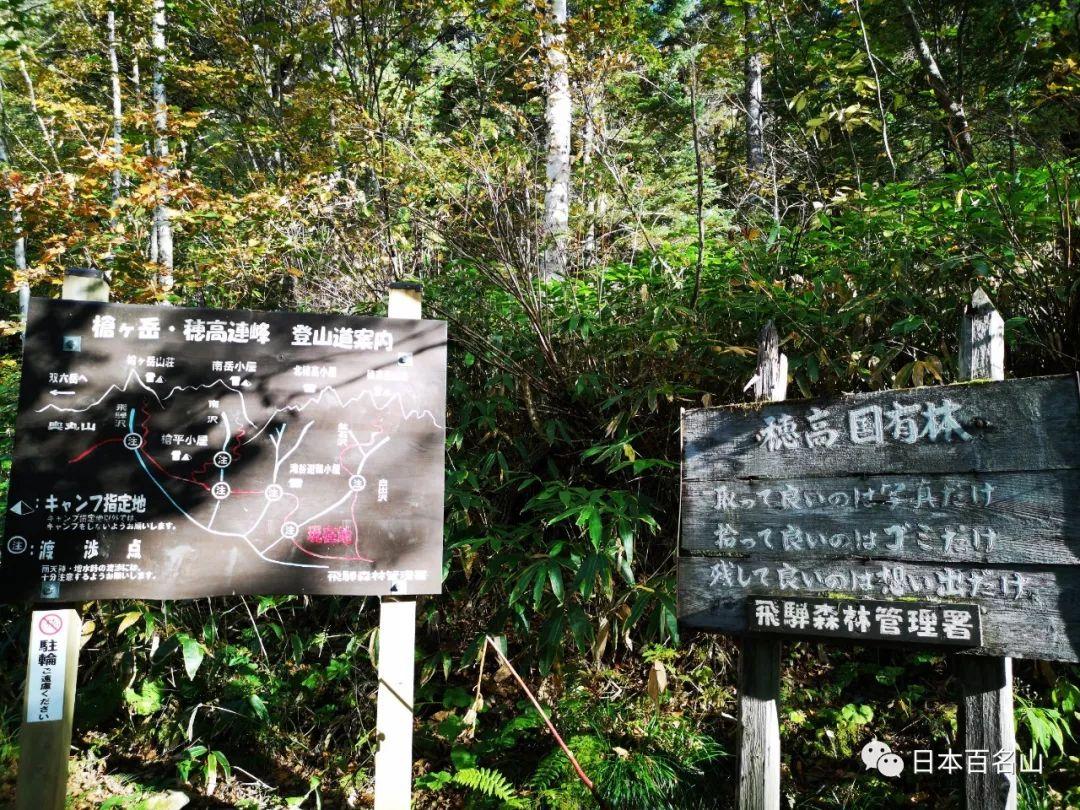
606	201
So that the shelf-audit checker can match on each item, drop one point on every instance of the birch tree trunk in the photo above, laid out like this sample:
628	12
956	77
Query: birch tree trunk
31	96
755	116
19	246
117	106
162	223
956	122
592	137
140	103
699	182
557	115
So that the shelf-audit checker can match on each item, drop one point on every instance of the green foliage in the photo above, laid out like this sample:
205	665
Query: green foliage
844	727
637	780
1043	731
636	758
313	158
312	793
193	653
489	783
147	700
1046	727
204	762
9	395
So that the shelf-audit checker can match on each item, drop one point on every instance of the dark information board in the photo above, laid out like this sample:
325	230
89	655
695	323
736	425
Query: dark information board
163	452
964	494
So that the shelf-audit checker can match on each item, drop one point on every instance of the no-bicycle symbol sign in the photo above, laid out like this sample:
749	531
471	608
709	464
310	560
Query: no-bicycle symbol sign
50	624
47	668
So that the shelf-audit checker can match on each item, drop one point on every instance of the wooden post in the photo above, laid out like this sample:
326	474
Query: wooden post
982	341
84	284
397	652
986	707
759	658
44	745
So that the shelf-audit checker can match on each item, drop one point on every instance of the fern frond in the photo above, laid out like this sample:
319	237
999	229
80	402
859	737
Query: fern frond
489	782
551	770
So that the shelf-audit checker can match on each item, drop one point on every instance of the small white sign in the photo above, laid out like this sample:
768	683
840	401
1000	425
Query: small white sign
48	650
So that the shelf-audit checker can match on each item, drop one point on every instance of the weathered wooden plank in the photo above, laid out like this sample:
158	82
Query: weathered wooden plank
982	340
44	746
770	376
1028	612
1029	424
1003	518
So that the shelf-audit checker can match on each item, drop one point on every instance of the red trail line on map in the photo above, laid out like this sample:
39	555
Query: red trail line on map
90	450
146	434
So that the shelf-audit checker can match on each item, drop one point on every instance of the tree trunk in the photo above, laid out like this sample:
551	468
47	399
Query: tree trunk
956	122
31	96
755	116
556	222
117	106
147	146
592	136
699	184
136	79
871	60
162	223
19	246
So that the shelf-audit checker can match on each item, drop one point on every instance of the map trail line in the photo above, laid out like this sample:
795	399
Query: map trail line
314	400
139	455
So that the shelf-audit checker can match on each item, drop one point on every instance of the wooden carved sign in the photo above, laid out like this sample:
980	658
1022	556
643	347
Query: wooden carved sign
940	515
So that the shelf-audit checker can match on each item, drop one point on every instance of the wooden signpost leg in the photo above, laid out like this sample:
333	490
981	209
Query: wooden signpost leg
986	710
44	744
759	724
986	713
397	653
759	659
394	712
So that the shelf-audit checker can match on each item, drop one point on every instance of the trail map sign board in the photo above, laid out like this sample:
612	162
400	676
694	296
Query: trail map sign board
965	495
164	452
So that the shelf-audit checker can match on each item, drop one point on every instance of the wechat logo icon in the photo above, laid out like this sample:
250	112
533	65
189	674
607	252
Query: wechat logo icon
878	755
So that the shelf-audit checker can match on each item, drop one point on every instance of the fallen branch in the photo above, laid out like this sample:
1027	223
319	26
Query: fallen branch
551	726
